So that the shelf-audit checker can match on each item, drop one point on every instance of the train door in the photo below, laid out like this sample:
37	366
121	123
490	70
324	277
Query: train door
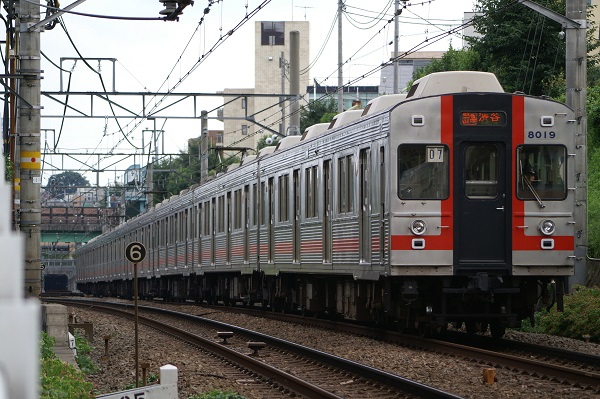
382	204
246	223
364	209
213	233
228	217
296	220
482	195
327	211
271	217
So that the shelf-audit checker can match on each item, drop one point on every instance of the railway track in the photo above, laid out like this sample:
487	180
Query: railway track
312	373
575	368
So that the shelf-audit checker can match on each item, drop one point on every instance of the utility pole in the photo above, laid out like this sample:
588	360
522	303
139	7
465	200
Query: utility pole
282	65
396	38
204	147
340	60
575	24
576	77
295	82
28	138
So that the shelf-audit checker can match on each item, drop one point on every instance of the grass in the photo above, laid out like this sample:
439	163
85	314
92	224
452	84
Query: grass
580	318
60	380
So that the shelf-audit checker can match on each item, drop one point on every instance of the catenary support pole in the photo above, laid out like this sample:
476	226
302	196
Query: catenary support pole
340	60
204	147
295	82
575	24
28	132
396	38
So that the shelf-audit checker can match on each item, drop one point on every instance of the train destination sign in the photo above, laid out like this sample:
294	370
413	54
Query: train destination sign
487	118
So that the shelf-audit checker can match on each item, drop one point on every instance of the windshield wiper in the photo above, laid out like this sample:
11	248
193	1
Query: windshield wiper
535	194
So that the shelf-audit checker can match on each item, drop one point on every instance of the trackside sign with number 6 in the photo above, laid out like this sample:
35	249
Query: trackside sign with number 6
135	252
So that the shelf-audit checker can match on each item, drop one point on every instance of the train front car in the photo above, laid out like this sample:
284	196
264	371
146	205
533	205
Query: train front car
482	204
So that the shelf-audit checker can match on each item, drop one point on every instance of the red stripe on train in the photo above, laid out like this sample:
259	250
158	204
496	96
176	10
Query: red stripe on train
442	242
522	242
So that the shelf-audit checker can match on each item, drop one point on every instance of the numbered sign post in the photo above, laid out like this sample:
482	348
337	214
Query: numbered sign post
135	253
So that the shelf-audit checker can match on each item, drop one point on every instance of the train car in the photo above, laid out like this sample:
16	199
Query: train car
454	204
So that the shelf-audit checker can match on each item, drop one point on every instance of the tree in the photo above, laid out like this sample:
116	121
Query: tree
452	60
262	142
65	183
173	174
522	47
317	111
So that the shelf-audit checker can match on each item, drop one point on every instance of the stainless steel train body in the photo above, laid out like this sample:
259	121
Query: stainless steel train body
454	205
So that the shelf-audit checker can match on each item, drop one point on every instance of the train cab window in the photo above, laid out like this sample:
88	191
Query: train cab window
423	171
541	172
481	171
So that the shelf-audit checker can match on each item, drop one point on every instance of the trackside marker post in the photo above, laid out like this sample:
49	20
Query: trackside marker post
135	253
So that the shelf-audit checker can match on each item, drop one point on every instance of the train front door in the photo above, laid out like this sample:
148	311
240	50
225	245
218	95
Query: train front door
482	205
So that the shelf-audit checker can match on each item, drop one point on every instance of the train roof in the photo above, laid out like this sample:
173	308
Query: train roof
454	82
383	102
232	166
345	117
266	150
314	130
287	142
248	159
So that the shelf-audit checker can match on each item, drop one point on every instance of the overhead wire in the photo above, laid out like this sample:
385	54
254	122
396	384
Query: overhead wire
83	14
374	20
320	52
426	42
537	52
221	40
201	59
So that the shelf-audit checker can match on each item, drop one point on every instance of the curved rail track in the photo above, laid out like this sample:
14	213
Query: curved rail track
322	375
576	368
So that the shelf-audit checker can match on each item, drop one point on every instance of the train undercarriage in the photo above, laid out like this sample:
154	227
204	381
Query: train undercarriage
421	304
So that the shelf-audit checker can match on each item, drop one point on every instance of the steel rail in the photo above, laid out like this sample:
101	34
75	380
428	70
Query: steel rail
366	372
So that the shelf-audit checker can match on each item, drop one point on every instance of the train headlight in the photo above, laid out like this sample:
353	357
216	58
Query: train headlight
547	227
418	227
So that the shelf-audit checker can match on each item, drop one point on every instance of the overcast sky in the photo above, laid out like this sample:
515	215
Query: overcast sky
157	56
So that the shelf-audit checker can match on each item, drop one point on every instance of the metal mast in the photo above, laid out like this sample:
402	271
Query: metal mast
28	137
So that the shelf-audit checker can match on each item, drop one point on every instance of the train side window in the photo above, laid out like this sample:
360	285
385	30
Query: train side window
237	217
345	184
284	189
221	214
541	172
311	191
423	171
254	204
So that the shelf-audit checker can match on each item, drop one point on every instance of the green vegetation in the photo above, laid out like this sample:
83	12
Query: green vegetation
63	184
8	169
176	173
60	380
217	395
84	361
319	111
581	316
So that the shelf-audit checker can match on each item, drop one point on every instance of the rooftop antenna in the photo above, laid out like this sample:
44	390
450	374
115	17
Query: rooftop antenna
305	7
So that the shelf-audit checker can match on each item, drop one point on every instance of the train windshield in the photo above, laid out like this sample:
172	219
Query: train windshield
423	171
541	171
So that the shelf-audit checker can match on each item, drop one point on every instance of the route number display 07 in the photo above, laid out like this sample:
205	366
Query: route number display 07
135	252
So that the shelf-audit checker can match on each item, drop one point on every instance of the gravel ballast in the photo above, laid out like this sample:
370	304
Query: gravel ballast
458	376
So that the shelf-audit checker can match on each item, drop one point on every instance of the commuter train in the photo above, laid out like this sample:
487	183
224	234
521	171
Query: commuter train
453	203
